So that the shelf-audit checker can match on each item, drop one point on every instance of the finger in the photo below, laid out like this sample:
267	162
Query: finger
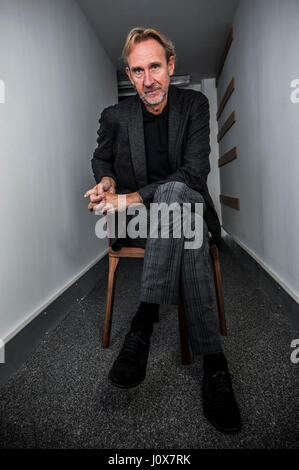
106	186
99	207
100	188
109	208
96	198
90	191
104	210
91	206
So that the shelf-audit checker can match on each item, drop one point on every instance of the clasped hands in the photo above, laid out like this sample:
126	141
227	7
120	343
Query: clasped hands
104	199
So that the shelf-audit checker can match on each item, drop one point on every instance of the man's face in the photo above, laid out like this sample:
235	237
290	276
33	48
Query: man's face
149	72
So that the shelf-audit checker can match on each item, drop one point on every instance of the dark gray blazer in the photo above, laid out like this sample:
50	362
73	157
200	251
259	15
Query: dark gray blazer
121	152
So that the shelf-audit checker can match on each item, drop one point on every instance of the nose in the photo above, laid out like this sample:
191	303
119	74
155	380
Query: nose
148	79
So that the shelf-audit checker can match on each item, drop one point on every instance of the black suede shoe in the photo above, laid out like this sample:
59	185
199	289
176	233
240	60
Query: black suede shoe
129	368
219	403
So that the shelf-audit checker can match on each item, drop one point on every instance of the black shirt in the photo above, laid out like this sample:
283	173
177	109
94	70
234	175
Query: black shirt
156	144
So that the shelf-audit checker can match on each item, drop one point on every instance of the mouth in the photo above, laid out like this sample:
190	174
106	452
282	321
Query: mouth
152	93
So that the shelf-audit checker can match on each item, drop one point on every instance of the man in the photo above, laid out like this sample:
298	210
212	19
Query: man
154	147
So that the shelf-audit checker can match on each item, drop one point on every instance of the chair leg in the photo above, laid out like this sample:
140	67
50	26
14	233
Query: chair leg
184	339
113	264
219	293
156	317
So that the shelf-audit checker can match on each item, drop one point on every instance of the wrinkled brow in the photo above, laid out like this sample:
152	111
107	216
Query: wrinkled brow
137	67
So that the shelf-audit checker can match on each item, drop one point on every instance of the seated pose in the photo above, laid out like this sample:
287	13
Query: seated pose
154	148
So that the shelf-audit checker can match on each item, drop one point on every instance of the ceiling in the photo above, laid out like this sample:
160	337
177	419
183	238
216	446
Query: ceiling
198	28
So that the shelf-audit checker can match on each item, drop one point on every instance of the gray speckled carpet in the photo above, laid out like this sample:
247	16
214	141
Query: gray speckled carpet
60	398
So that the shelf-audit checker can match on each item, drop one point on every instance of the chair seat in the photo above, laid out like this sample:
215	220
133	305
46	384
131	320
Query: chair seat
127	252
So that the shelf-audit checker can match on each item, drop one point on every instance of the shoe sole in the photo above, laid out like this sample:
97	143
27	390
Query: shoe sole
125	386
219	428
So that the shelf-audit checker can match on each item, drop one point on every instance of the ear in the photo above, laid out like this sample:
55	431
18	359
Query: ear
128	72
171	64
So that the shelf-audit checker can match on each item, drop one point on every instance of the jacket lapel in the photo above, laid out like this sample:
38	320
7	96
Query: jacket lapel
175	120
136	137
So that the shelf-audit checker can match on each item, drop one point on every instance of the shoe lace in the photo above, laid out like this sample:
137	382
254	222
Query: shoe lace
132	346
222	386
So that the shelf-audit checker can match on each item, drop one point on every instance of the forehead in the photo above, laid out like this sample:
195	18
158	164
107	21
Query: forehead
146	52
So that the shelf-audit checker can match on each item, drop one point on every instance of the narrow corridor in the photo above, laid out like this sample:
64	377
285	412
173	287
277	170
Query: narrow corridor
60	398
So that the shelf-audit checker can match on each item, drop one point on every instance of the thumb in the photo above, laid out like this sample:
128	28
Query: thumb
100	188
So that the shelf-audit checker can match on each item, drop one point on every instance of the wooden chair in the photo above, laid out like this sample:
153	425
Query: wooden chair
132	252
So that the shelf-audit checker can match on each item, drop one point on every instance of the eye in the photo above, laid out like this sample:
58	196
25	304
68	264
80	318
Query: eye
155	66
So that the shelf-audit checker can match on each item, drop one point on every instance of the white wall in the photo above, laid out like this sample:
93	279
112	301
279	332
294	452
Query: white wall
264	60
209	89
57	79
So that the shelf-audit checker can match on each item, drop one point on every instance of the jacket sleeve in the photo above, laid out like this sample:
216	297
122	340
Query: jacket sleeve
195	165
102	161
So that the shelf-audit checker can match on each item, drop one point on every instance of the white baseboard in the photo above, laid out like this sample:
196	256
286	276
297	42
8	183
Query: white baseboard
2	352
286	288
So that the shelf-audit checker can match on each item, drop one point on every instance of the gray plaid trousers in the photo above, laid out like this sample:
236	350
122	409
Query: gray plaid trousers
170	271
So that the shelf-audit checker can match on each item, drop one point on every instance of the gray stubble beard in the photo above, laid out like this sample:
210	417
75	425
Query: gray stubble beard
154	103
